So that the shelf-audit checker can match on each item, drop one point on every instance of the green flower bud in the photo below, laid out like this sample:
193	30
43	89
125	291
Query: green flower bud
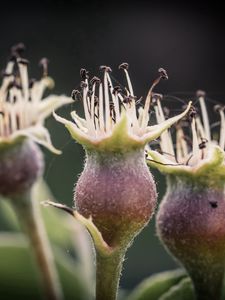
190	220
115	195
22	115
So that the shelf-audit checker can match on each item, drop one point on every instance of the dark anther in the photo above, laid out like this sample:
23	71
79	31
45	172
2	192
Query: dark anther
84	74
202	145
14	84
218	108
96	101
111	106
156	97
75	95
192	113
124	66
89	93
105	68
31	82
95	80
166	111
17	49
23	61
17	85
112	110
213	204
117	89
129	99
163	73
200	93
83	84
2	113
44	64
5	74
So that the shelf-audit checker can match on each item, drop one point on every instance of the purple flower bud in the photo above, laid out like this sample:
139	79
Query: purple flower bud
21	163
118	191
191	224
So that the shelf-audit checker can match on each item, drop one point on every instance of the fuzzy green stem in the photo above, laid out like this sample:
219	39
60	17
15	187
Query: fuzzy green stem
28	213
108	270
208	285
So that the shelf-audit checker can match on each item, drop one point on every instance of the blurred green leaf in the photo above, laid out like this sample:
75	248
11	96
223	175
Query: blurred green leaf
182	291
156	285
8	220
52	218
19	277
61	228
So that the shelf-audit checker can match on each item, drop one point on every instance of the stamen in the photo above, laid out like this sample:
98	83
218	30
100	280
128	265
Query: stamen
76	95
18	49
195	143
105	69
125	66
22	64
93	104
84	85
145	119
114	98
200	128
181	145
166	139
44	64
101	109
220	109
201	97
106	94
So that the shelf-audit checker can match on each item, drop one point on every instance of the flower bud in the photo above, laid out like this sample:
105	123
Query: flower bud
116	188
191	223
191	217
118	191
21	162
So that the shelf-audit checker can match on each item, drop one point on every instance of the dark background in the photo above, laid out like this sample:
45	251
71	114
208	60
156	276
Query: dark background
186	39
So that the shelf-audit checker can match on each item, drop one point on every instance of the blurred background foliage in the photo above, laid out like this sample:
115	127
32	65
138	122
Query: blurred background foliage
188	41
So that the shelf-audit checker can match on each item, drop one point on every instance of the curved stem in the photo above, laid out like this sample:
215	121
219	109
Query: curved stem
28	213
108	270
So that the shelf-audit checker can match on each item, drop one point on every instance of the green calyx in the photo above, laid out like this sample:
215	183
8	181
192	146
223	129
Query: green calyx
10	143
208	172
119	140
121	137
